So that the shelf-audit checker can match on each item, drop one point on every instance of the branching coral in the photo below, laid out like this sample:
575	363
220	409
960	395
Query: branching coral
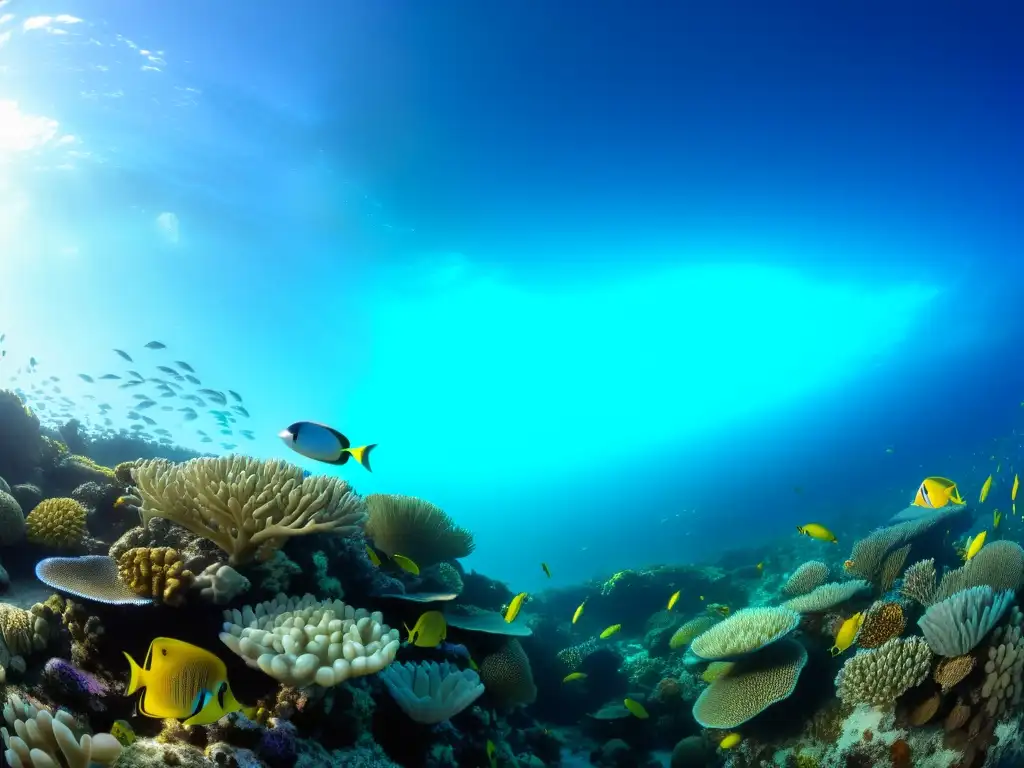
57	523
881	675
155	572
245	506
415	528
806	577
746	631
956	625
43	740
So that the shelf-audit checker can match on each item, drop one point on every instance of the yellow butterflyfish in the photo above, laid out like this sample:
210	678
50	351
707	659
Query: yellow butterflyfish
374	557
431	628
985	488
635	708
610	631
817	531
730	740
572	676
937	492
184	682
997	516
514	606
974	545
1016	485
847	633
579	612
673	599
406	564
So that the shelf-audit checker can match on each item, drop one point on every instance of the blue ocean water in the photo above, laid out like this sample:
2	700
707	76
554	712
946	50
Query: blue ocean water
611	284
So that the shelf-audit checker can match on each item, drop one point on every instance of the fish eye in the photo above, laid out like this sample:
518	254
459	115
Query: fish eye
163	651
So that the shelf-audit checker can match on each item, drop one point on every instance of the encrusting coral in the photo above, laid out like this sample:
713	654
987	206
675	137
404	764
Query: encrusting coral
46	740
155	572
57	523
415	528
247	507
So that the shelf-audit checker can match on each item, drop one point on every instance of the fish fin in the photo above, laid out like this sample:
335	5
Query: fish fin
362	455
135	682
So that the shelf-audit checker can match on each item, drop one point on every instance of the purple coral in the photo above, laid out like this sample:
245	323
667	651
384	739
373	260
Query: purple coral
69	683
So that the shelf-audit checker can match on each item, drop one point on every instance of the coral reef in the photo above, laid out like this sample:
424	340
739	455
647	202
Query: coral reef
416	529
155	572
58	523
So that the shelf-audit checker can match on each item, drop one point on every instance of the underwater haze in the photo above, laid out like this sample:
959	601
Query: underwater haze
613	284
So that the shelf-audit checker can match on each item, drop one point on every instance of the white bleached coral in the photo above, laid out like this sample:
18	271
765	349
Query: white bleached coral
302	641
430	693
220	584
43	740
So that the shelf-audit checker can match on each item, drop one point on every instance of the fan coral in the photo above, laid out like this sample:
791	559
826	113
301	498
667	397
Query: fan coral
44	740
882	622
752	685
508	677
1004	668
746	631
415	528
881	675
156	572
950	672
12	520
919	582
957	624
999	565
806	577
246	507
57	523
93	577
430	693
220	584
301	641
827	596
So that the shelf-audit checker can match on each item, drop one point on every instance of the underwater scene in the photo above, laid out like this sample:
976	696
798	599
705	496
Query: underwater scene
465	384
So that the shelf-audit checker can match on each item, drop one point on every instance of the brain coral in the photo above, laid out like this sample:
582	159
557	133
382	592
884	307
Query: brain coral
881	675
507	675
746	631
751	686
827	596
806	577
12	520
956	625
57	523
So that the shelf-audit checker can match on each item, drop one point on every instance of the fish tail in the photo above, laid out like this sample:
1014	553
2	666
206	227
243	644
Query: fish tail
362	455
136	676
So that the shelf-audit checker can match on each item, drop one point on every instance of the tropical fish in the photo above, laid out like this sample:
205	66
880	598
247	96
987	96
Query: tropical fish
124	355
636	708
137	375
121	501
573	676
492	754
997	517
514	607
610	631
323	443
193	380
547	571
110	377
1016	485
430	630
155	345
760	567
182	681
937	492
123	732
184	366
127	384
406	564
167	369
238	397
673	599
985	488
374	558
145	404
817	531
730	740
579	612
86	378
847	633
974	545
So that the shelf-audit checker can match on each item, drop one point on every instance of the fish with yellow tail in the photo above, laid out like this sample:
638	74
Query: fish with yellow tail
985	488
974	546
430	629
181	681
937	492
817	531
1016	485
636	709
731	740
847	633
579	612
610	631
514	607
323	443
673	599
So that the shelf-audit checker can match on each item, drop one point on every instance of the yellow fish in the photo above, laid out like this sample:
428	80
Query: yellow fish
574	676
819	532
974	545
847	633
673	600
937	492
636	708
514	607
121	501
406	564
430	630
123	732
760	567
374	558
184	682
579	612
1016	485
610	631
997	516
730	741
492	754
547	571
985	488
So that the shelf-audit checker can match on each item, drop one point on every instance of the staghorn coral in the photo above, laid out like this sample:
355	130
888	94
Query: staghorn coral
93	577
12	520
999	565
220	584
508	677
1004	668
919	582
431	693
806	577
746	631
302	641
691	629
956	625
57	523
751	686
882	622
881	675
155	572
952	671
827	596
45	740
247	507
415	528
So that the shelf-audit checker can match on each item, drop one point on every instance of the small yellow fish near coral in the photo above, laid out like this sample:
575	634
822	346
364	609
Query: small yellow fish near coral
121	501
985	488
974	545
573	676
514	607
817	531
430	630
323	443
184	682
374	557
1016	485
547	571
997	517
406	564
635	708
730	741
610	631
674	599
579	612
492	754
847	633
760	567
937	492
122	731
